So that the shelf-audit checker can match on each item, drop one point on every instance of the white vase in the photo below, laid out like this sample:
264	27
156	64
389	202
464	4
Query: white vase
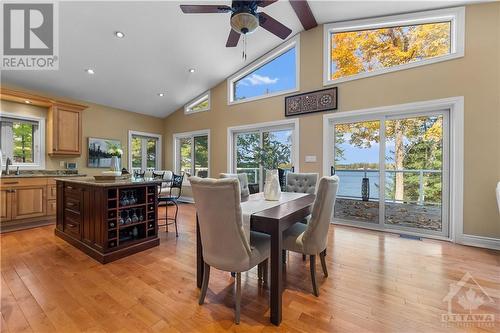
272	189
115	164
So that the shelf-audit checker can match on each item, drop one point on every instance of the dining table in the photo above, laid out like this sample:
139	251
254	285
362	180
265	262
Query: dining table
271	218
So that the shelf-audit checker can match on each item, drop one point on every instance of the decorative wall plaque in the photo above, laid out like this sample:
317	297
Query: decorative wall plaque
314	101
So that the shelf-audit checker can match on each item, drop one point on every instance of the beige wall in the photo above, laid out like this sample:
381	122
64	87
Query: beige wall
97	121
475	76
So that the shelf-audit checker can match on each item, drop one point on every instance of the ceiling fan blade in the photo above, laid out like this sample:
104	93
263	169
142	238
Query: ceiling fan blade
265	3
304	13
273	26
233	39
195	9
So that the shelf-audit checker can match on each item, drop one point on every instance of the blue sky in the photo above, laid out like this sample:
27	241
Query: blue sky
277	75
353	154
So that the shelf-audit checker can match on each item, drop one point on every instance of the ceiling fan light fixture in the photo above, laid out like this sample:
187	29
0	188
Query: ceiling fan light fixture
244	22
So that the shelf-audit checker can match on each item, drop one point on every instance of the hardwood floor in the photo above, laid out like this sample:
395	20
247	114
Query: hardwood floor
377	283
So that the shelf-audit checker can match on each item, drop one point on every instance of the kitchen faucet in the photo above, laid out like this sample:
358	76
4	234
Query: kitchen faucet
8	162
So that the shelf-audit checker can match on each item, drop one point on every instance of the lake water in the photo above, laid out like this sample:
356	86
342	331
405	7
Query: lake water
350	183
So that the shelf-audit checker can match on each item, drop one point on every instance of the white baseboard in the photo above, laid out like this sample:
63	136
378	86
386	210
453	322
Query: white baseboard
479	241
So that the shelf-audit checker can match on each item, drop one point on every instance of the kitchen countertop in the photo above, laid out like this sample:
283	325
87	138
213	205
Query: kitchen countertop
41	176
90	181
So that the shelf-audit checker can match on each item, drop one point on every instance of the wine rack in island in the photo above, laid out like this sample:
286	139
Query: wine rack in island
108	221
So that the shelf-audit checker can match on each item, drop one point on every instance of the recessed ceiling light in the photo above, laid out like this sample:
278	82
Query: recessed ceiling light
119	34
90	71
27	102
161	94
191	70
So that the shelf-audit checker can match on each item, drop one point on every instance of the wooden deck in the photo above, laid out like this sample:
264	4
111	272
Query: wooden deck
378	283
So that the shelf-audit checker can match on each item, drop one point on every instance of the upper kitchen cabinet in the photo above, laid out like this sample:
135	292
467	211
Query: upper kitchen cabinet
64	129
64	121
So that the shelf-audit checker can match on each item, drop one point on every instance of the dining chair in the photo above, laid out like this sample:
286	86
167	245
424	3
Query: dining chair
311	238
243	180
139	174
171	198
301	182
225	245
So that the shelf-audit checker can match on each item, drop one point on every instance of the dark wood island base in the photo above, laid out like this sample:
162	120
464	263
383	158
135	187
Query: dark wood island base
108	220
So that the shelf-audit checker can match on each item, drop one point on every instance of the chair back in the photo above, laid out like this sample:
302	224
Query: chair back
139	174
242	178
218	207
157	175
316	235
301	182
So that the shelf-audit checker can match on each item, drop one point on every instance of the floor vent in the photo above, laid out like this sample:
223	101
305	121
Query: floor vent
410	237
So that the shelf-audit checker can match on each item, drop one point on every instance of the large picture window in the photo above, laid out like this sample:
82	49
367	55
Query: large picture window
22	141
191	153
370	47
274	74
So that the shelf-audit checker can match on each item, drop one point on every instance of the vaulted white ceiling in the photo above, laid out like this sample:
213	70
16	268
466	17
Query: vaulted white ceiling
161	44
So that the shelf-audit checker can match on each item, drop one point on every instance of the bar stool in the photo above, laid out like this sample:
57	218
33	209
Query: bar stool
175	183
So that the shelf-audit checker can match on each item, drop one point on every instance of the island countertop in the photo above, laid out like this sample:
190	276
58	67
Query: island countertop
91	181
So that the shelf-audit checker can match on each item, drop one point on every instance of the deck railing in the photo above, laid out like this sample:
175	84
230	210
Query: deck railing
392	174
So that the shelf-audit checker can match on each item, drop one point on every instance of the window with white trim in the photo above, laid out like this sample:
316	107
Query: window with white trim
22	141
274	74
192	154
364	48
199	104
255	148
144	151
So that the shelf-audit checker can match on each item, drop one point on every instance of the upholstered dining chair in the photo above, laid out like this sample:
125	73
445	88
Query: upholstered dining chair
225	245
301	182
311	238
243	180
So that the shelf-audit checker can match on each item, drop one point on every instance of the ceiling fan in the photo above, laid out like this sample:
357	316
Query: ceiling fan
245	18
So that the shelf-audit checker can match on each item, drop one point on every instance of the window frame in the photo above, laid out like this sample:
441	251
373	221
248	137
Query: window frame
132	133
195	101
176	150
455	15
292	124
293	42
39	142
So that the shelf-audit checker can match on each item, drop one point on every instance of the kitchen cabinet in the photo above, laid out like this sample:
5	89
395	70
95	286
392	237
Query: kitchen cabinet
64	129
27	202
5	205
92	216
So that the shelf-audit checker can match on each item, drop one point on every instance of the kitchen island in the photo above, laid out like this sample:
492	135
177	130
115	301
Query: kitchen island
108	220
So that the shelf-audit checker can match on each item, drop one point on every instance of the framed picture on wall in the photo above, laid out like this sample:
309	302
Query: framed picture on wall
98	155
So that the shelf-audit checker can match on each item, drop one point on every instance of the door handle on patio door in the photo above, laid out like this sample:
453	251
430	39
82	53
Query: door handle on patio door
332	171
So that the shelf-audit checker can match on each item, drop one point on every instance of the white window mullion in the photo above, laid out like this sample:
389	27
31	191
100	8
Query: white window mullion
381	167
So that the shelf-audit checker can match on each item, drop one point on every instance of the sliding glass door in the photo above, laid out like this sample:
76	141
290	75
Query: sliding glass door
357	153
261	149
393	172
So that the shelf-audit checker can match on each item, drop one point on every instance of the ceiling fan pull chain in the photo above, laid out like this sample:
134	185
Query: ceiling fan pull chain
244	54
